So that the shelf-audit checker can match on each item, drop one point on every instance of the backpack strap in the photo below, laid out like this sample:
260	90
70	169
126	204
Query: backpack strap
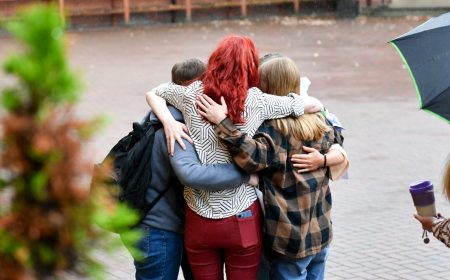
174	182
152	204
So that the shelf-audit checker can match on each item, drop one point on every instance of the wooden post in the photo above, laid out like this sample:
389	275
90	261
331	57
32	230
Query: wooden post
173	14
61	12
188	4
297	6
126	11
244	8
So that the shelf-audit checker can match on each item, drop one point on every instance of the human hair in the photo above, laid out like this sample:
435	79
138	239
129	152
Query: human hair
183	73
232	69
280	76
269	56
446	179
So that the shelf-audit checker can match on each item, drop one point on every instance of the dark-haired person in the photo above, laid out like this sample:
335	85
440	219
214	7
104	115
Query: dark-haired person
163	226
185	72
161	246
224	227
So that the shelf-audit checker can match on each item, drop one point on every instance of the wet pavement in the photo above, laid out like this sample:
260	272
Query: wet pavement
354	72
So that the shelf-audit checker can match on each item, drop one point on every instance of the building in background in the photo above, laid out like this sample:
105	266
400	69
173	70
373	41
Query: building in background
118	12
112	12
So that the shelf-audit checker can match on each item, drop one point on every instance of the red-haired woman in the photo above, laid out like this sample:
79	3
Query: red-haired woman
224	226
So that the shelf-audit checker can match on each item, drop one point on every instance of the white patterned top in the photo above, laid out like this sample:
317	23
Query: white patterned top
258	108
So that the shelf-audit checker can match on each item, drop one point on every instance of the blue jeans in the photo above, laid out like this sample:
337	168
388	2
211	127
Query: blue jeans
309	268
162	252
264	267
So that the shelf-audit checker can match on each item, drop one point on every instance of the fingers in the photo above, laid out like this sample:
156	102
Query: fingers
420	218
202	108
304	165
169	139
208	99
303	170
300	156
168	144
301	160
188	138
171	145
179	139
176	133
202	105
185	133
223	104
309	149
202	113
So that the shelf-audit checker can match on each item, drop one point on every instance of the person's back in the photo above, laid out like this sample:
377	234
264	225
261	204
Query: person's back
168	213
303	200
227	74
161	246
232	74
297	204
162	242
163	226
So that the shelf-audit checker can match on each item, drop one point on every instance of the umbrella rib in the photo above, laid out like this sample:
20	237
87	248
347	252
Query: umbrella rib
419	97
437	115
426	109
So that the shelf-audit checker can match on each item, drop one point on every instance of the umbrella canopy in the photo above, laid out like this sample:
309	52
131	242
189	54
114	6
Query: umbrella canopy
425	50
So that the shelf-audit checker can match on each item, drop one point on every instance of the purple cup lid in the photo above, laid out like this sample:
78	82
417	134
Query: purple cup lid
420	187
422	193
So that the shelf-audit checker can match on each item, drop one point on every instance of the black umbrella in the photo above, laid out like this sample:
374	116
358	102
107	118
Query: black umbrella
425	50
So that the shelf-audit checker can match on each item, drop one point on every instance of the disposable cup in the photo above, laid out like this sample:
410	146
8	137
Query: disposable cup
423	197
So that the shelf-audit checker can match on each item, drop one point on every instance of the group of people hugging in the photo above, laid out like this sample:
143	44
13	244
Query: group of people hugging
254	155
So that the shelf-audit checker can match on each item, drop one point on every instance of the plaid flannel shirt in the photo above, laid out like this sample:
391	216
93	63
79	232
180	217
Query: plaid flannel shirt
297	205
441	230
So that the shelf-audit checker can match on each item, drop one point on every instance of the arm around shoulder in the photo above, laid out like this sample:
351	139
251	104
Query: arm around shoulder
275	107
338	161
210	177
174	130
252	155
159	106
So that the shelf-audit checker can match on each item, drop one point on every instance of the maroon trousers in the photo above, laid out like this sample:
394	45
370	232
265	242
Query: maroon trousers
234	241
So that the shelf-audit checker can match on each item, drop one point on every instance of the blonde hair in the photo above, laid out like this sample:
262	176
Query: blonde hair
280	76
446	179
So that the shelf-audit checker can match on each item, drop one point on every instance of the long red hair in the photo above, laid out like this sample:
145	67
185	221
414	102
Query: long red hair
232	69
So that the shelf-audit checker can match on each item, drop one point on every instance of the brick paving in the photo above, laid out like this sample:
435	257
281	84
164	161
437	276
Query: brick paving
357	76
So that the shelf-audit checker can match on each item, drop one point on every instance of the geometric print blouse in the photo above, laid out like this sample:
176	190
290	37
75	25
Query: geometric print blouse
259	107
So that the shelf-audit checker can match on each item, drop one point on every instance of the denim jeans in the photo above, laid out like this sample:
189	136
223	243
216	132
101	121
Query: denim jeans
264	267
162	252
309	268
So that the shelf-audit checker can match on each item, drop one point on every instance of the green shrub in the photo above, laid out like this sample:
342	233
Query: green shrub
48	225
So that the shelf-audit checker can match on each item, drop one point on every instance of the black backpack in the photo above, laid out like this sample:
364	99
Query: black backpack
131	165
